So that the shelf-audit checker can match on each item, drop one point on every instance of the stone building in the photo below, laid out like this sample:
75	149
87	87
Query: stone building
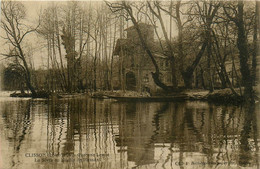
135	65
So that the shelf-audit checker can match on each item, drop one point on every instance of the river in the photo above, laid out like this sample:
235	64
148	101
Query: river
84	133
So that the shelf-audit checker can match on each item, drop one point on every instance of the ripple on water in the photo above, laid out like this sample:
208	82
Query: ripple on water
123	135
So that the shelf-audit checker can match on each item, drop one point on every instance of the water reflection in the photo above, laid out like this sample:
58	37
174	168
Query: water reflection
87	133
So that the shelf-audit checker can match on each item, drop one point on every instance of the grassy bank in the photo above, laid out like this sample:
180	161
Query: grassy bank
218	96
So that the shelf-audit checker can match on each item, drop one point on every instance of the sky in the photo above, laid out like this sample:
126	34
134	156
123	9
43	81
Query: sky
32	11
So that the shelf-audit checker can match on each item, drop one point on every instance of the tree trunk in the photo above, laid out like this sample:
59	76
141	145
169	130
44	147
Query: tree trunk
255	50
155	74
28	73
170	53
112	58
209	52
202	78
243	54
187	75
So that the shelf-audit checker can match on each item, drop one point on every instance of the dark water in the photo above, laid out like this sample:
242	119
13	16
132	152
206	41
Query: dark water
86	133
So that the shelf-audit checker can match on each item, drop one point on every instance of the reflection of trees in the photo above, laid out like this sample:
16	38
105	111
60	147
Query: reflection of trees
204	128
136	131
156	119
143	132
246	155
81	126
55	125
18	121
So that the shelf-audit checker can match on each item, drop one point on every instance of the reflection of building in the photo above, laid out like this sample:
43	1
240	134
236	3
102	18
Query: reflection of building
135	64
150	133
136	133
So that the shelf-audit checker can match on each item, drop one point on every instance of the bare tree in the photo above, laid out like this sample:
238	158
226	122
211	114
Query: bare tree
255	42
169	52
127	9
236	14
12	22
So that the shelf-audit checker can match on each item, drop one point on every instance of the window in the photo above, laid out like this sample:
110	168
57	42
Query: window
146	78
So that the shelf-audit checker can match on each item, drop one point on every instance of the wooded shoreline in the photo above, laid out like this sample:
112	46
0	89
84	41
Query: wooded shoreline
130	46
218	96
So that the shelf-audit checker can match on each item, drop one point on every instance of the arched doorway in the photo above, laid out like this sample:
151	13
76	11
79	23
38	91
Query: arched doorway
130	81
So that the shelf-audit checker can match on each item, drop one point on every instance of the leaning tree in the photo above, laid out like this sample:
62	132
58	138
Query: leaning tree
14	26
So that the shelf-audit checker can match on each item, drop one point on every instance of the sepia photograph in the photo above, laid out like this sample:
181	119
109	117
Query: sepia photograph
141	84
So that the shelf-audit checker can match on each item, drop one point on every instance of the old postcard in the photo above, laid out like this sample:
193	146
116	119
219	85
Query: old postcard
129	84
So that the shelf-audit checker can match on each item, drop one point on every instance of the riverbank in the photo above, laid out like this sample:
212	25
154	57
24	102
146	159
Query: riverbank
46	95
41	94
218	96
